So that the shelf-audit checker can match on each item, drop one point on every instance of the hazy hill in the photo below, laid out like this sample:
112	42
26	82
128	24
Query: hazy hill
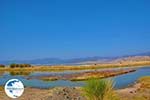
87	60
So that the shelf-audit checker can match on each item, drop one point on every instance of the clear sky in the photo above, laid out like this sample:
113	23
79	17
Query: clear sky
31	29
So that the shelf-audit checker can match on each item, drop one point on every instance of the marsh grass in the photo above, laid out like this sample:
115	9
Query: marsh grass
1	88
64	68
99	90
145	81
24	73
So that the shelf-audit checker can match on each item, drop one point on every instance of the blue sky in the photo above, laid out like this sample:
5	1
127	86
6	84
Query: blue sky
31	29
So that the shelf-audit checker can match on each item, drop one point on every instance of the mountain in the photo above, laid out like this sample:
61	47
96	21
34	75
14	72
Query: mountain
143	54
51	61
96	59
56	61
138	54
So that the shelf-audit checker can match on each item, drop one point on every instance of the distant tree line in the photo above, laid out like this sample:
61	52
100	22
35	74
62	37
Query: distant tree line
2	66
20	65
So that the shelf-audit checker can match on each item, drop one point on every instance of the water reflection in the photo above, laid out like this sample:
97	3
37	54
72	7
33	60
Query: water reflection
1	73
22	73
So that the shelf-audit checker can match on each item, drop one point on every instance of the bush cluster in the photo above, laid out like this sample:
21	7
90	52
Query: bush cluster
19	65
2	66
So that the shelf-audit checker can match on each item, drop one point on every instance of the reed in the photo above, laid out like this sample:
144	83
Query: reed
99	90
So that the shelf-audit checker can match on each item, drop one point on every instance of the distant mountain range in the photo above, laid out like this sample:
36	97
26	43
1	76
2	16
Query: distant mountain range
139	54
57	61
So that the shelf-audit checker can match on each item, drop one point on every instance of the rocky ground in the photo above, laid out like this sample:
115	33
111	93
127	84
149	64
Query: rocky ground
59	93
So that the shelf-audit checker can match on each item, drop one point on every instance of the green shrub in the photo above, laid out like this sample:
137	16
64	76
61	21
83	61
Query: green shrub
2	66
99	90
13	65
19	65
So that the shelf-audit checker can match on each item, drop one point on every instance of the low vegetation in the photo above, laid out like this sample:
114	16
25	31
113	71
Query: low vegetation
28	67
99	90
1	88
99	74
22	73
82	76
103	90
20	65
2	66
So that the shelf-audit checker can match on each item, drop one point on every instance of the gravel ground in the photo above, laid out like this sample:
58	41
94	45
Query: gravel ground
59	93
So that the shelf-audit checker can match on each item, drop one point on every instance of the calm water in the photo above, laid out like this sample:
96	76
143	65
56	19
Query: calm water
121	81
